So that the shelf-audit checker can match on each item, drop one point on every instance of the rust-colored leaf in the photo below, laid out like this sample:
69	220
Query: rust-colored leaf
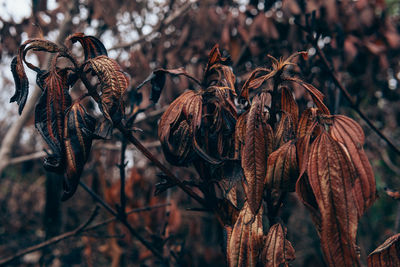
245	242
49	115
255	152
289	105
177	128
255	80
331	178
316	95
92	47
285	130
78	135
240	133
282	168
113	83
307	119
350	134
278	251
387	254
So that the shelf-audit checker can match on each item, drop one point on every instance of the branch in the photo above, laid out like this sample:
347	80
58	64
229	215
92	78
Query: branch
169	175
132	231
80	229
349	98
122	166
53	240
165	22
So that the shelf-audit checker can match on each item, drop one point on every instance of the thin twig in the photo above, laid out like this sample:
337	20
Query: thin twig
169	175
349	98
132	231
51	241
122	166
80	229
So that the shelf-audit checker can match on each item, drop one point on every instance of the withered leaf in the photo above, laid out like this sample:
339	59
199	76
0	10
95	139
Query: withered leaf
285	130
350	134
316	95
177	126
21	83
277	251
157	80
50	112
255	80
257	146
245	242
92	47
282	168
307	119
113	83
78	135
387	254
240	133
289	105
331	179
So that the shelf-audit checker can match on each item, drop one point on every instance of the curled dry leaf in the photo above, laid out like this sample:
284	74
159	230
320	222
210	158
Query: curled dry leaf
245	241
258	145
350	134
78	135
113	83
285	131
282	168
177	126
387	254
277	251
18	71
92	47
49	115
331	178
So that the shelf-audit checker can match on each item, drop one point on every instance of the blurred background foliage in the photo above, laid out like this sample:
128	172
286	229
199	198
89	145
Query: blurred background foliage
361	39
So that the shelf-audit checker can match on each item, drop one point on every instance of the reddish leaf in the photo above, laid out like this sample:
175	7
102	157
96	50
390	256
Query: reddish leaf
258	145
350	134
387	254
92	47
78	134
245	241
289	105
21	83
50	112
331	180
282	168
113	83
285	130
316	95
278	251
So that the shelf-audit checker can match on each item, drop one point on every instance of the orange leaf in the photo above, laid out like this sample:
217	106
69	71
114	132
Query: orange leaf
387	254
278	251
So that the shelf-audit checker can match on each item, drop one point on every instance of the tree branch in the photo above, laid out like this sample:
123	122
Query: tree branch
169	175
132	231
80	229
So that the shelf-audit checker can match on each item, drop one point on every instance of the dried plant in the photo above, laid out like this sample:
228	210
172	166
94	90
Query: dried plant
250	147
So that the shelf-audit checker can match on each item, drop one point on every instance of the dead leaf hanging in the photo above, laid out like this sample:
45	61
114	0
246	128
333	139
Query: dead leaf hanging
78	135
387	254
92	47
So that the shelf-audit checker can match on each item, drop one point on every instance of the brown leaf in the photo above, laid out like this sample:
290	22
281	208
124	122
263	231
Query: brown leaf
316	95
278	251
78	135
245	241
21	83
350	134
92	47
49	115
240	133
113	83
282	168
331	180
387	254
289	105
285	130
258	145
